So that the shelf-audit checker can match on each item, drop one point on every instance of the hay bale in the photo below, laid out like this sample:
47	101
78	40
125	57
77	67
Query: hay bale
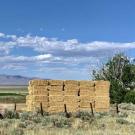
102	88
99	94
84	83
56	82
72	109
43	87
102	98
102	82
56	88
37	104
58	103
87	93
87	88
40	92
86	104
70	93
55	109
56	93
71	98
39	98
38	82
87	98
56	98
71	82
102	103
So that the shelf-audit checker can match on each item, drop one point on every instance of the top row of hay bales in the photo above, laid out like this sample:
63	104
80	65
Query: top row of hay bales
67	82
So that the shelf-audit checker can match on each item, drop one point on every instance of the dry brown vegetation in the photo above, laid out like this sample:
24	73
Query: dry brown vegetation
81	123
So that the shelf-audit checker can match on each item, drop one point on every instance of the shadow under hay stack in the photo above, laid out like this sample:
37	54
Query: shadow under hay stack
76	95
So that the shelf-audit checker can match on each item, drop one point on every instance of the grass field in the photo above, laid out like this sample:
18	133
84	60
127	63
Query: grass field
81	123
12	94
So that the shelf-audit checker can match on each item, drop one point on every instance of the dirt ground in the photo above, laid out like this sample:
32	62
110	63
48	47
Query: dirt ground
19	106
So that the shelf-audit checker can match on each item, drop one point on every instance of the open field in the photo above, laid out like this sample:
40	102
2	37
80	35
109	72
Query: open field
81	123
12	94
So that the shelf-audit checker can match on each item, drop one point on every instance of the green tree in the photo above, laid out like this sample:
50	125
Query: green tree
121	74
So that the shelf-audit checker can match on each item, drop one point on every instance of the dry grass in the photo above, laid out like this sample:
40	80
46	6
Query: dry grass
79	124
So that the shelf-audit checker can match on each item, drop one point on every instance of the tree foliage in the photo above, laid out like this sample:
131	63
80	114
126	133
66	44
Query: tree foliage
121	74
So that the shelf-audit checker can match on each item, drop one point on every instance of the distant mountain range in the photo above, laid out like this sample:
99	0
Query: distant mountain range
15	80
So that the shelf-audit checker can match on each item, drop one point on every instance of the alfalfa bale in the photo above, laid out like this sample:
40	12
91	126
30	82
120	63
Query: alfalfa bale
39	98
56	103
56	88
71	98
84	83
86	104
38	82
38	103
87	88
40	92
106	94
102	88
55	109
56	98
56	93
87	93
71	83
102	98
71	88
86	98
56	82
43	87
71	93
72	109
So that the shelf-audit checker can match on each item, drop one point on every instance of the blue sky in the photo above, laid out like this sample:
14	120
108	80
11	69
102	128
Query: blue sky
63	39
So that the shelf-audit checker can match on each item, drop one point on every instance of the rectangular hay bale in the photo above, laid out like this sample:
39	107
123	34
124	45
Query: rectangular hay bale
56	82
84	83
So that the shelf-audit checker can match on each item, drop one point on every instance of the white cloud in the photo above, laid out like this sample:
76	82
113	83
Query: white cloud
2	35
64	55
44	57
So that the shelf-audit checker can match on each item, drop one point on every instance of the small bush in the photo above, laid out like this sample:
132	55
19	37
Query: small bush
22	125
61	122
37	119
25	116
86	116
11	114
122	121
126	106
130	97
122	114
46	121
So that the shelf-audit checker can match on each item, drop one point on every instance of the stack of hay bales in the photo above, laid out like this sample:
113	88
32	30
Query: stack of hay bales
76	95
38	93
71	99
87	95
56	98
102	99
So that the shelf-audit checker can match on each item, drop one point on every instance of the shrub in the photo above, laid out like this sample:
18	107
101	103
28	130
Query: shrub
83	115
130	97
11	114
37	119
122	121
25	116
61	122
46	121
22	125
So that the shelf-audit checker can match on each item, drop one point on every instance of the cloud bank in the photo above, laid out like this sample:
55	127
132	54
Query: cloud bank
51	55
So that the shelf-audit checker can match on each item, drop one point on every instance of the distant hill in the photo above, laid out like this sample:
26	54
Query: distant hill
15	80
